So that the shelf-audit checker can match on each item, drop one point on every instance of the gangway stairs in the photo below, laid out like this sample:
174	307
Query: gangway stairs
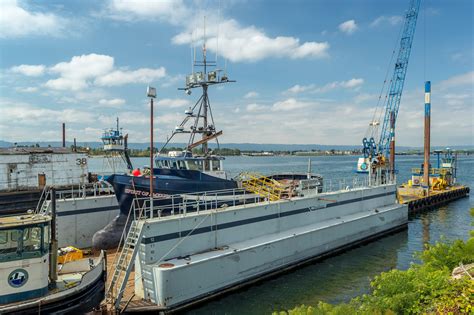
44	201
261	185
125	263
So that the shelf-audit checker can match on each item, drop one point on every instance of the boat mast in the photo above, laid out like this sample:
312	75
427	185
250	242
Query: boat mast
202	108
205	148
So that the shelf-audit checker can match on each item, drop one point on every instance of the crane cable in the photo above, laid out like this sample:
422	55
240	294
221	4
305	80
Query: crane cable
372	130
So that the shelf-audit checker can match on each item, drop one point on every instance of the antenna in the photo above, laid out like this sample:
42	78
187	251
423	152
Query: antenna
225	67
218	27
204	46
192	53
194	58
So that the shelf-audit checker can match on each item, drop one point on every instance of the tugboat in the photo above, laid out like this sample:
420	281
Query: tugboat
33	282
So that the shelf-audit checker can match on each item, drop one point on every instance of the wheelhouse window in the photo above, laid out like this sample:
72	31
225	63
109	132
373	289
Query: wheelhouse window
181	165
216	165
194	165
3	237
34	242
24	242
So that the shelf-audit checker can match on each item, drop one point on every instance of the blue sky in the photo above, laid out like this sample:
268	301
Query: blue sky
307	72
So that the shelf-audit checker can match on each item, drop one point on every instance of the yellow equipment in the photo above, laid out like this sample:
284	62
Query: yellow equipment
68	254
261	185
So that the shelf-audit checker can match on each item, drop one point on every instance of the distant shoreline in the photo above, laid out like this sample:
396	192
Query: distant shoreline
146	154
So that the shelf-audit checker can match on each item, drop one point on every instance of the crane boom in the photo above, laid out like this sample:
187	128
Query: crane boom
378	151
399	74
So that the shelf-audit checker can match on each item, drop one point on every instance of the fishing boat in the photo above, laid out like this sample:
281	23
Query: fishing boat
176	172
33	282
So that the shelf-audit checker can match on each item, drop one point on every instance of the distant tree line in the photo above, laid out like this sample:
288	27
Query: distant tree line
237	152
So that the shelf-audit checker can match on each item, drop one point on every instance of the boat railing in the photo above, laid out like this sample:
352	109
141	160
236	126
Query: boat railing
194	202
181	204
86	190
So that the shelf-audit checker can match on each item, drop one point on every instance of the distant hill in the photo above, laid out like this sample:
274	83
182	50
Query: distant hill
240	146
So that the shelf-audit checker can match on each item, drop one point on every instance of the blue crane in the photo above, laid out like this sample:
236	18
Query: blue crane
392	104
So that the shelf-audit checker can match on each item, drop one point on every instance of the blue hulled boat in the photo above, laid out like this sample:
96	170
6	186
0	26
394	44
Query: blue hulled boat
176	172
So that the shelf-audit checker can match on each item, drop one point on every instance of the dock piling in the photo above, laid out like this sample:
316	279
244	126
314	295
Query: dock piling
426	163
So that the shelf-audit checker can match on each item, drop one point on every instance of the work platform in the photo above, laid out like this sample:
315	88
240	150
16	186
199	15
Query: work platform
417	200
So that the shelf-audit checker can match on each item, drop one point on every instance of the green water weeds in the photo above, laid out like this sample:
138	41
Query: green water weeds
425	288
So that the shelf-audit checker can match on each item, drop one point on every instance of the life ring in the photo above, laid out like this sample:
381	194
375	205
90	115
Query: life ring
416	181
363	166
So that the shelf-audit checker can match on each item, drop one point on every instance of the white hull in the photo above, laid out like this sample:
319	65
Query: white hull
186	258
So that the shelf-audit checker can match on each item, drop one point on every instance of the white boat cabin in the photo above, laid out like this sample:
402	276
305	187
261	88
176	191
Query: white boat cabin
176	160
24	257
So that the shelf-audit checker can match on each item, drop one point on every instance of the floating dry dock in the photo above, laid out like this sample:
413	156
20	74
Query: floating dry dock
189	257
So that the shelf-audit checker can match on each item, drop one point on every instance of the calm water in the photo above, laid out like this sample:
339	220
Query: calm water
339	278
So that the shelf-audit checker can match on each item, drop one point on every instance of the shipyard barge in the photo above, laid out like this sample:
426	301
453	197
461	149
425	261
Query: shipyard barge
223	243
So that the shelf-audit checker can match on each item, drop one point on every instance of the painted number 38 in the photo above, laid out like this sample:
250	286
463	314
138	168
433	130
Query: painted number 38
82	161
18	278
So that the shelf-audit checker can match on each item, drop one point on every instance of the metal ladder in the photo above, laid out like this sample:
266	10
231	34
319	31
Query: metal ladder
43	203
125	263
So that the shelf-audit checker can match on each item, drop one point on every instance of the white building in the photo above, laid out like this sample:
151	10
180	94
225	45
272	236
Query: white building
24	168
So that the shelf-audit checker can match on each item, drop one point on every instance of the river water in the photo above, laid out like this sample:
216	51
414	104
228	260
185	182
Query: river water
342	277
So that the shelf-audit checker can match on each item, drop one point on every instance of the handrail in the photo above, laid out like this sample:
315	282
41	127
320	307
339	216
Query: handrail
432	171
180	204
85	190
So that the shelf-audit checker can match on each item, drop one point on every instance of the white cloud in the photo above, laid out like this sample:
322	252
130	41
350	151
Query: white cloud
66	84
121	77
173	103
348	27
114	102
300	88
26	114
94	69
458	80
30	89
251	94
352	84
290	104
364	97
29	70
17	21
392	20
74	75
255	107
238	43
171	11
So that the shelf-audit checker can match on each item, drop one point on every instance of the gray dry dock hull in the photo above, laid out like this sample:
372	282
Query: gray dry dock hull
183	263
78	219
